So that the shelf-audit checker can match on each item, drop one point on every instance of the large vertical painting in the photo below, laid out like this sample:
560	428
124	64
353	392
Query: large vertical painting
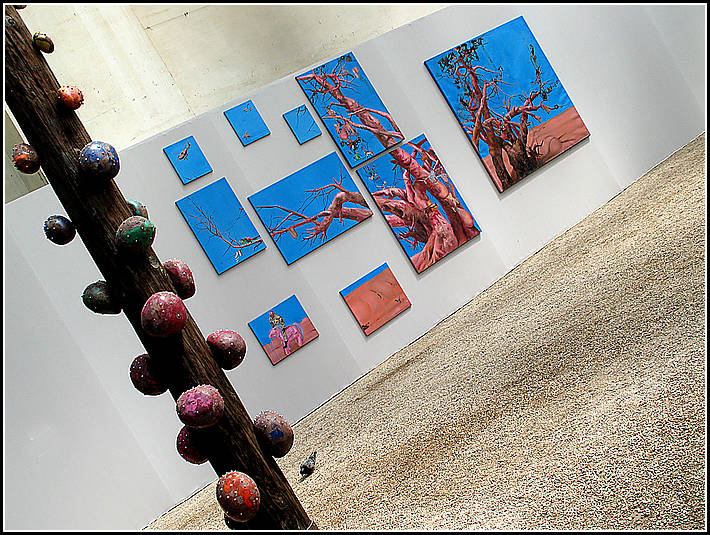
221	225
187	159
420	202
310	207
375	299
508	100
350	108
283	329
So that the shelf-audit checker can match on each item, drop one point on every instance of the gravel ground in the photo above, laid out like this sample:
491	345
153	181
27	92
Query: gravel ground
569	395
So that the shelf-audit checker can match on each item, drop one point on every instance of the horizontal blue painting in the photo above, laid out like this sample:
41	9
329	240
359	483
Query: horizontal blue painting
247	123
301	123
310	207
221	225
187	159
350	108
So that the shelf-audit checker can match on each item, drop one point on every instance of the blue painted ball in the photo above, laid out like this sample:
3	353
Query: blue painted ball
99	160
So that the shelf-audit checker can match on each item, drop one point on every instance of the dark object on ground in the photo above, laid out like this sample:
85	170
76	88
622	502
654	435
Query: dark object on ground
308	465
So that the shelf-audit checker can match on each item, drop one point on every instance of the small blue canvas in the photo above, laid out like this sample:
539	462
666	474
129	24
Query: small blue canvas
221	225
310	207
247	123
187	159
301	123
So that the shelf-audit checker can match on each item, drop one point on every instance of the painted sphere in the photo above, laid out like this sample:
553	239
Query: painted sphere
99	298
99	160
43	42
201	406
188	445
143	377
238	496
137	208
181	276
25	158
135	235
228	348
70	96
164	314
59	229
274	433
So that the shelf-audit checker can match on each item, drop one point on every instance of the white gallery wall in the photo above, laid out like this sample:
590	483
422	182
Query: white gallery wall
636	75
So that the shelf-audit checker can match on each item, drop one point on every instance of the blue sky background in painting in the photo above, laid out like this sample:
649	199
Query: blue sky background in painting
302	124
505	46
220	204
290	310
290	193
193	163
355	285
364	93
247	123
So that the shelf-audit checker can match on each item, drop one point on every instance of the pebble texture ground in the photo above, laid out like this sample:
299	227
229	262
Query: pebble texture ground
569	395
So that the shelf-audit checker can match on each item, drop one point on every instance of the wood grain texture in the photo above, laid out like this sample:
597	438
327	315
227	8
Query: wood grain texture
97	210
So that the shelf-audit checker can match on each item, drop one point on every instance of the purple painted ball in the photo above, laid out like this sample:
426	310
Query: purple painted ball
100	298
143	377
238	496
181	277
25	158
59	229
228	348
201	406
164	314
99	160
274	433
189	444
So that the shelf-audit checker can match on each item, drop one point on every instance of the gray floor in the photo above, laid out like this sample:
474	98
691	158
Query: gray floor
569	395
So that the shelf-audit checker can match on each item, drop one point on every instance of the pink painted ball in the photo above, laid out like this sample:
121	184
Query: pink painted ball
181	276
25	158
238	496
274	433
228	348
189	445
164	314
143	377
201	406
70	96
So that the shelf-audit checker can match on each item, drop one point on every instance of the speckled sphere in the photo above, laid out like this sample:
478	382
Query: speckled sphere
135	235
188	445
201	406
42	42
99	298
25	158
181	276
164	314
99	160
70	96
228	348
274	433
137	208
238	496
59	229
143	377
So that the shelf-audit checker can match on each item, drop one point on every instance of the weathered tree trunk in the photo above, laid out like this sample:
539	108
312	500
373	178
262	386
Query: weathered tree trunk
183	361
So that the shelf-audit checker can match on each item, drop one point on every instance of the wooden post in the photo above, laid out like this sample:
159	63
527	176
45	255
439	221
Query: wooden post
183	361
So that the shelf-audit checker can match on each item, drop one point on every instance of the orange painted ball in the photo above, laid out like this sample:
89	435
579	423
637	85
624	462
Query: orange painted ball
238	496
70	96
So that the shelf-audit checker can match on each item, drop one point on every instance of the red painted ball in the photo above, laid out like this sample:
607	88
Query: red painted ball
228	348
143	377
201	406
181	276
188	445
238	496
274	433
25	158
70	96
164	314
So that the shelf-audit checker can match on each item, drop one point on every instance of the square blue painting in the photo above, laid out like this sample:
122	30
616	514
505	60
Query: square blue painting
350	108
310	207
247	123
301	123
283	329
187	159
221	225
